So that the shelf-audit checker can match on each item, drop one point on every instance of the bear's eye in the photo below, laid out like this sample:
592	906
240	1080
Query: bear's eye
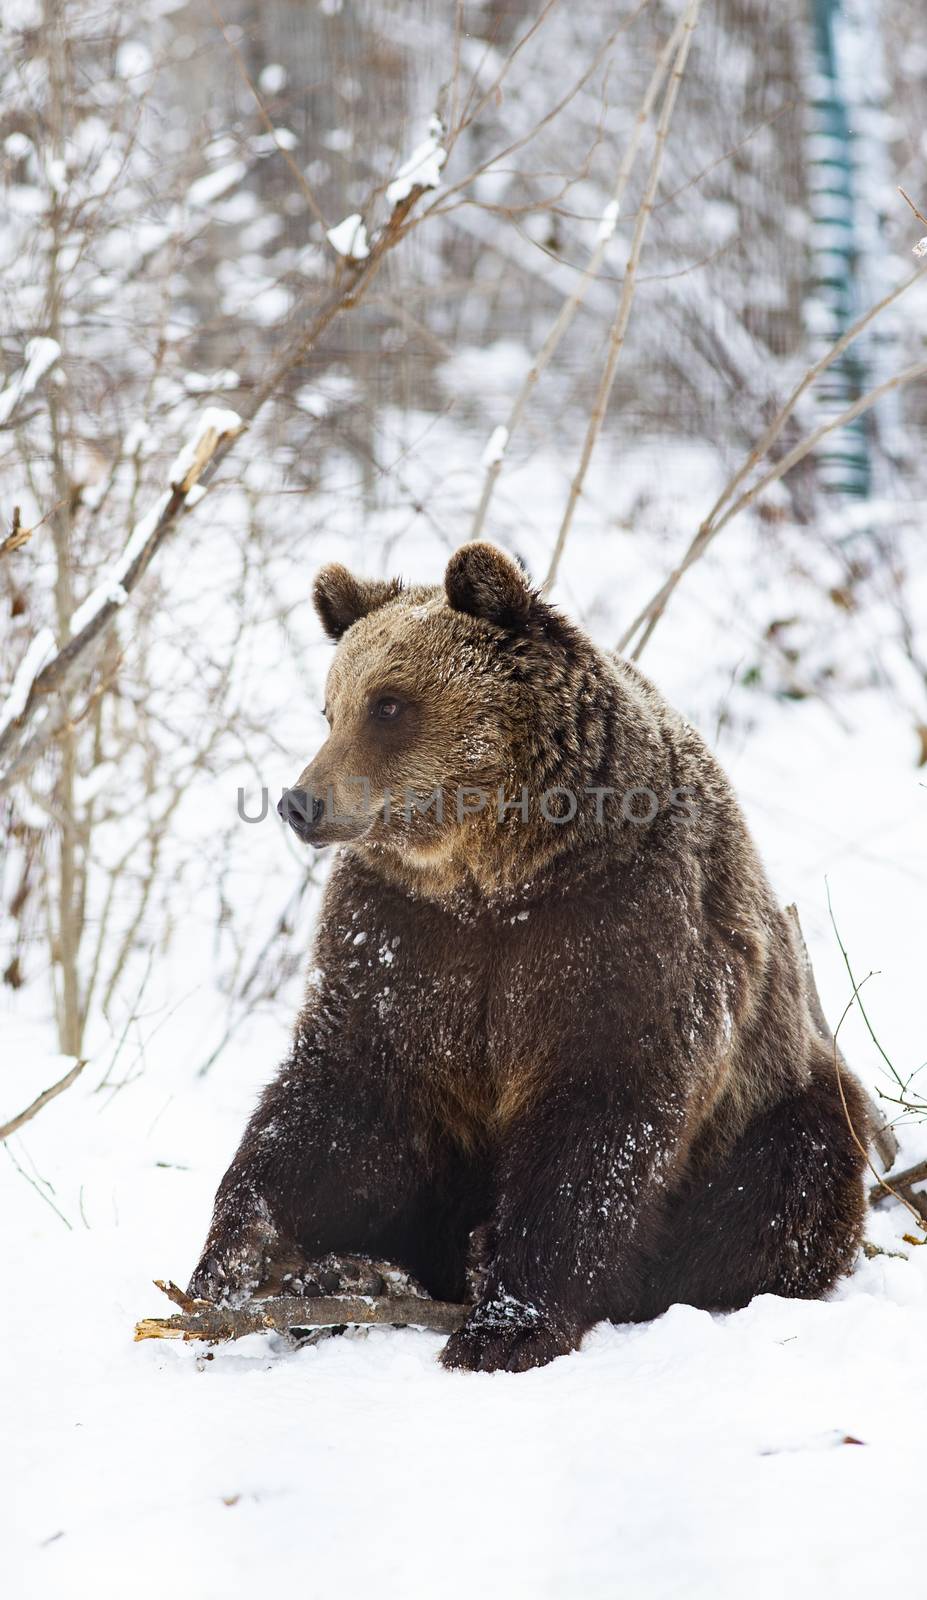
387	708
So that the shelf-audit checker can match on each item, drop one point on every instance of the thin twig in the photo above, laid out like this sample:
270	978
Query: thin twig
919	214
475	102
440	205
882	1181
38	1188
884	1140
570	306
863	1012
622	316
709	530
713	522
295	169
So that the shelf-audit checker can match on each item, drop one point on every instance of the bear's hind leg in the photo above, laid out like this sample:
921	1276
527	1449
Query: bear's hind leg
783	1215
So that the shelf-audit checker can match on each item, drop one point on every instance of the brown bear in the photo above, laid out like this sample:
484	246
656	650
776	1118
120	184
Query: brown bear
554	1003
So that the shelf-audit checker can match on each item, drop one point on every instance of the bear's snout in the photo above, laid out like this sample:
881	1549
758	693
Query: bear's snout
301	811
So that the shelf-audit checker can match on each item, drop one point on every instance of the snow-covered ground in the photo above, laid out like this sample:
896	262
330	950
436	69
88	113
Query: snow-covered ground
775	1451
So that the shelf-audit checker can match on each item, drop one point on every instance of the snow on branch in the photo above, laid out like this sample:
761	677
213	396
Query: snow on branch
423	168
41	355
349	238
217	425
111	590
42	671
37	656
212	185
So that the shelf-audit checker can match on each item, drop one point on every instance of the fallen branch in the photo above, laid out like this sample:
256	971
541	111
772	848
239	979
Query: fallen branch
902	1180
200	1319
7	1128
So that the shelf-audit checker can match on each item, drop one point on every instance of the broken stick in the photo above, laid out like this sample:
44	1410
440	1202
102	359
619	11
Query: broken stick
901	1180
201	1319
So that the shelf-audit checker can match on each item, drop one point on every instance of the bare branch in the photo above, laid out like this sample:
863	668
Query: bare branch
568	311
713	524
351	283
902	1180
884	1140
919	214
15	1123
622	316
295	169
41	356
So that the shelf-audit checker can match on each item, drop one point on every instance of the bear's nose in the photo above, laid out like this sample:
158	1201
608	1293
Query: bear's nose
300	810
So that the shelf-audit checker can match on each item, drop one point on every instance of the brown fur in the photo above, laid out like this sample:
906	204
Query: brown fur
591	1041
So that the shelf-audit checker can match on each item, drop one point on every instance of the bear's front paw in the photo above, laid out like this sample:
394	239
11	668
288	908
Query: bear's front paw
504	1334
236	1263
213	1280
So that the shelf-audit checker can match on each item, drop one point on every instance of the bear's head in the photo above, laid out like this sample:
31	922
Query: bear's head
439	702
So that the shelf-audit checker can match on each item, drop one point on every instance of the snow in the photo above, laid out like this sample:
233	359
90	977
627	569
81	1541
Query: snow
272	78
37	656
110	588
213	184
608	223
349	238
920	249
41	354
213	424
133	59
423	168
699	1456
17	145
207	382
658	1461
88	787
278	139
495	447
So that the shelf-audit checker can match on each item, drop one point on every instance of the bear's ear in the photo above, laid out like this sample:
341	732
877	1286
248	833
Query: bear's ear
484	582
340	598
